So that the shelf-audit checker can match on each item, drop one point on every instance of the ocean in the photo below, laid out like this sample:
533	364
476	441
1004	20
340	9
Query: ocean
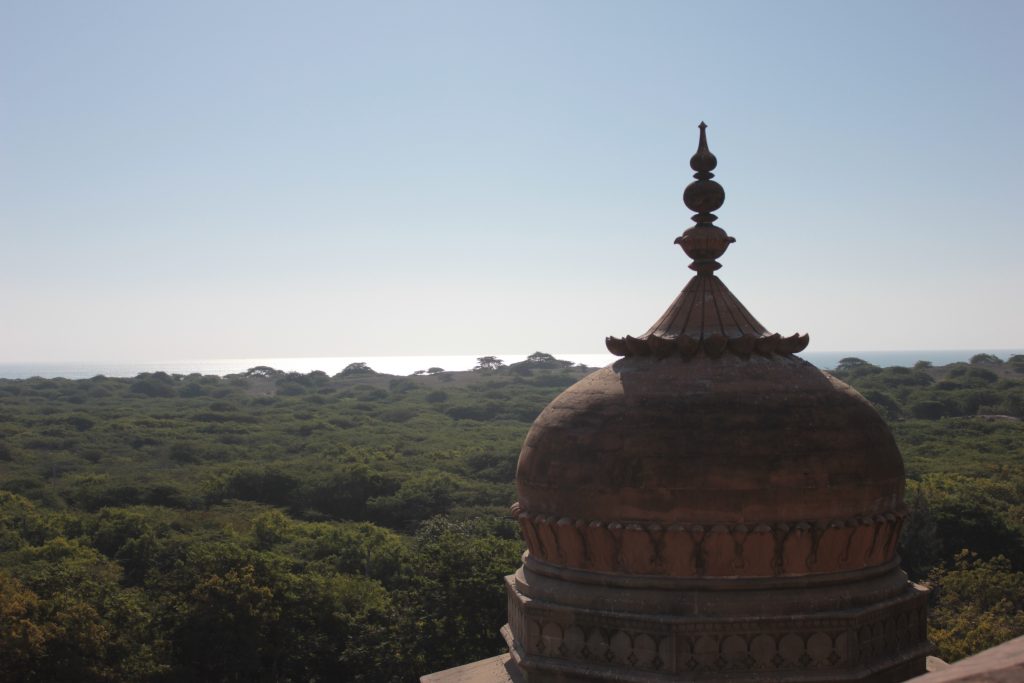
407	365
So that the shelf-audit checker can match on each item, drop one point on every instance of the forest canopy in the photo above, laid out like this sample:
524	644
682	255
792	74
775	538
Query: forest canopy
282	526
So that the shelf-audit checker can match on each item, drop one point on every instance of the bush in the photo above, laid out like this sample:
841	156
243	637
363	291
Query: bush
928	410
153	388
977	604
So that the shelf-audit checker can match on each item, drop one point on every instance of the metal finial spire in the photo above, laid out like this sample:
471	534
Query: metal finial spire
705	241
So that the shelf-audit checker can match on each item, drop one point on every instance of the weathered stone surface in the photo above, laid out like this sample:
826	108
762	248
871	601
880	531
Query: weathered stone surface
712	519
1001	664
723	550
711	467
500	669
710	441
857	631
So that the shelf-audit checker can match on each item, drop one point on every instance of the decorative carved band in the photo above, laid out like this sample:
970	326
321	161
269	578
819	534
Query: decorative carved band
796	646
719	550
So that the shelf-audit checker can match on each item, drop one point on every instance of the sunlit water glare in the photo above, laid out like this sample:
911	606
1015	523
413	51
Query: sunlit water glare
407	365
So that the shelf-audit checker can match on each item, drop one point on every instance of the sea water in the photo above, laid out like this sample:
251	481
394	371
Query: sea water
407	365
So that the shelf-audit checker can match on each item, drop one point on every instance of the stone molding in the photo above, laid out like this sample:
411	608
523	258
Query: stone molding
718	550
713	345
849	645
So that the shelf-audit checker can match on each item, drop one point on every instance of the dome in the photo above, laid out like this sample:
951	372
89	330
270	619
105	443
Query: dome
710	433
711	507
710	441
743	446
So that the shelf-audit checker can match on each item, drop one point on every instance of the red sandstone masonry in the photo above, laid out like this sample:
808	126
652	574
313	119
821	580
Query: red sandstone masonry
775	549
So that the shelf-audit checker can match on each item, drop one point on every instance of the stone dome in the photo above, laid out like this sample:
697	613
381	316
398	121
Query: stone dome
736	446
706	441
710	507
710	449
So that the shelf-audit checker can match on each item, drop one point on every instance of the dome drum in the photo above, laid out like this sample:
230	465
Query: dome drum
758	636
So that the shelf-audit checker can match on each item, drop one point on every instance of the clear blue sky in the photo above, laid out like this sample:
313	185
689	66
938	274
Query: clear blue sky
245	179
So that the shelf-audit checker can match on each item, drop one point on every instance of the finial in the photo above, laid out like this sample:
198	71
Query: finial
703	161
705	241
706	318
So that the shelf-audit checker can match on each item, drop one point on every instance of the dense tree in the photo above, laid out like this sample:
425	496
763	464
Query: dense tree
976	604
920	548
456	599
344	492
363	549
356	369
263	371
303	508
967	518
157	384
22	640
852	364
418	498
92	629
488	363
237	611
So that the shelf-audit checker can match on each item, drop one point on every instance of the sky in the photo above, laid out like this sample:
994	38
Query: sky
224	179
